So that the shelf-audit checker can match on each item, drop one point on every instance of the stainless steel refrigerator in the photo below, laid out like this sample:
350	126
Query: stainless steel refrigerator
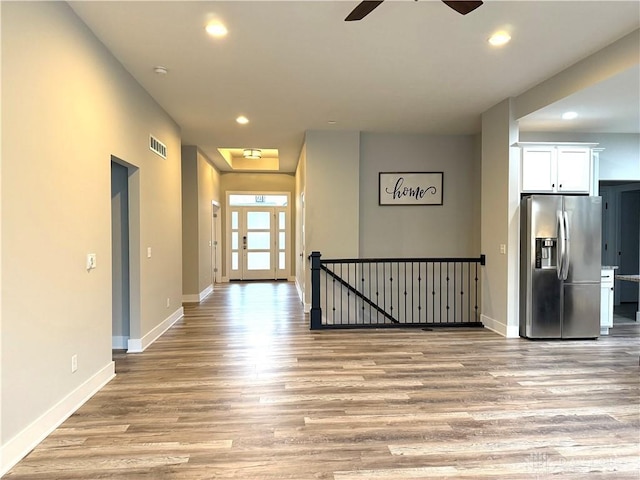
560	266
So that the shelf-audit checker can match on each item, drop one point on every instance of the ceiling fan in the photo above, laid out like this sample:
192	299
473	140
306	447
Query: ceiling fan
367	6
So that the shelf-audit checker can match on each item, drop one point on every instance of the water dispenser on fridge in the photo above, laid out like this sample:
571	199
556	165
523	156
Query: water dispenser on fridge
546	253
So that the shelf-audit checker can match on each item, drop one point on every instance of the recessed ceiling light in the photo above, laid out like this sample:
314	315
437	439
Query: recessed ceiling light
332	122
216	29
569	115
160	70
499	38
242	120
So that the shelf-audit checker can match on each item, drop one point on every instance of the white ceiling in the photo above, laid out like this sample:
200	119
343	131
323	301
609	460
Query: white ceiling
414	67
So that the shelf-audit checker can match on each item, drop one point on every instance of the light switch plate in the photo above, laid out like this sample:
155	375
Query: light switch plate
148	252
91	261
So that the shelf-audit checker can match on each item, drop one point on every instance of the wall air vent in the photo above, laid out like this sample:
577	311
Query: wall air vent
157	146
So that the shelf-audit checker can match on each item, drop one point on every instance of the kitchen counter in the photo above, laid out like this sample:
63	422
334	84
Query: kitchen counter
629	278
609	267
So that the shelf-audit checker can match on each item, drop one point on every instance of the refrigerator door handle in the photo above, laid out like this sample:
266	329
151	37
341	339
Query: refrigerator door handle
562	265
560	244
567	245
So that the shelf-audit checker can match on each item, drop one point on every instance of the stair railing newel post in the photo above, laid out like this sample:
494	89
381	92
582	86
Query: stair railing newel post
316	311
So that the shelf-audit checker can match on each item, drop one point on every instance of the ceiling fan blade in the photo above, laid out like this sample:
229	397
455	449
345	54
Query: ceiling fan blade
463	7
363	9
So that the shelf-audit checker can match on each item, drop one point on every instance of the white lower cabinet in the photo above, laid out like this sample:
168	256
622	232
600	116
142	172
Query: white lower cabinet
606	301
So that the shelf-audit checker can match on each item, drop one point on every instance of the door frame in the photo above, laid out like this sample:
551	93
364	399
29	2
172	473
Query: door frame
216	251
133	187
278	273
611	191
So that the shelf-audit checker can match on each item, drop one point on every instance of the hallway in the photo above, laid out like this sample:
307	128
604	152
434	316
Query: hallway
241	389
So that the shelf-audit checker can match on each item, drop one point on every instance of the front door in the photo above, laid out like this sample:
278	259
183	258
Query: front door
258	241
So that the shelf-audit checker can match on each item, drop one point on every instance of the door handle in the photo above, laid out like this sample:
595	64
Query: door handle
561	244
567	247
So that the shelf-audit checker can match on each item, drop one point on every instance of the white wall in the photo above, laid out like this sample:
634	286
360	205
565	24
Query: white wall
447	230
67	107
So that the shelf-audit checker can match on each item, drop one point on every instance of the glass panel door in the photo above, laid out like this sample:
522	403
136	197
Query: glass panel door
258	237
258	244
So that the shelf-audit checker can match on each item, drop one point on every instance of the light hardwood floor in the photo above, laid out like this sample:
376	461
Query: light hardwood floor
241	389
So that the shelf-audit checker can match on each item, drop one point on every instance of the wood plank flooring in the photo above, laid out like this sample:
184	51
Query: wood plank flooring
241	389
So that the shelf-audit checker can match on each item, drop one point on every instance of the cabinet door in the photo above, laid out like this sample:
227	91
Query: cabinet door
574	169
606	320
538	169
606	299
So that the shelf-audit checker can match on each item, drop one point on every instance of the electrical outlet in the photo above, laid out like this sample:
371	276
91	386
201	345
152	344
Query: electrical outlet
74	363
503	249
168	302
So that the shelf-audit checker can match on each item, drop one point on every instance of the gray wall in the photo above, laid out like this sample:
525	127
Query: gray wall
190	227
332	193
451	229
67	107
338	173
200	187
500	221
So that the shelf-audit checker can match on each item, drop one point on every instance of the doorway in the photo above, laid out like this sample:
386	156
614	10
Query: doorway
258	236
125	254
620	240
120	275
629	252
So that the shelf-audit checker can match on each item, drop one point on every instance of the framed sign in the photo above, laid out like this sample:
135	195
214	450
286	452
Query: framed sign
410	188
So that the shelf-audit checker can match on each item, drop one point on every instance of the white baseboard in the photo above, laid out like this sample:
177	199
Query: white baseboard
508	331
119	342
224	280
139	345
206	292
19	446
301	296
198	298
307	307
291	279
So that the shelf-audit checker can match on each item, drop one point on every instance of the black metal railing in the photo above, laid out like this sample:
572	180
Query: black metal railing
394	292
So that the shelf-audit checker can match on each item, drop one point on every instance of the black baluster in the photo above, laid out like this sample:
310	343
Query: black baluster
419	292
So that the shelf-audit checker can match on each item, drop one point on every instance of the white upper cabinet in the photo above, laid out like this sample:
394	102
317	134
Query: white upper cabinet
538	169
556	168
574	169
